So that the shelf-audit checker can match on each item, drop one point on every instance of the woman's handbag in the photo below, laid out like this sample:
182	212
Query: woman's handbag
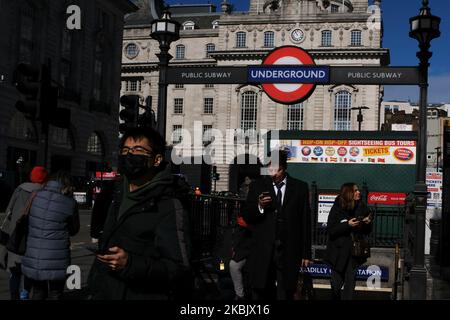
17	242
360	247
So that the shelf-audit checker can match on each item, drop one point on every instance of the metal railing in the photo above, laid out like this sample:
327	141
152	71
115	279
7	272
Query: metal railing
208	214
387	230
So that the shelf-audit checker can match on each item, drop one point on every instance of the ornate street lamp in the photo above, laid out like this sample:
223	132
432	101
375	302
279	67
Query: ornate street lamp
424	28
165	31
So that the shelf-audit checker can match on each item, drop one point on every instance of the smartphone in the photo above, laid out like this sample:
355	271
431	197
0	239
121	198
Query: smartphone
266	194
93	249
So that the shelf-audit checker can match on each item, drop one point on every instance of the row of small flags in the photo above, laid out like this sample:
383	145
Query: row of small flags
334	159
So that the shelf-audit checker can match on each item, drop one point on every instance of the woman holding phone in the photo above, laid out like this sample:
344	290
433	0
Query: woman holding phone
349	219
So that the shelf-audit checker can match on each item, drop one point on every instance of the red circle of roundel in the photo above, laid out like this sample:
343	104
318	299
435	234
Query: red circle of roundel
403	154
305	90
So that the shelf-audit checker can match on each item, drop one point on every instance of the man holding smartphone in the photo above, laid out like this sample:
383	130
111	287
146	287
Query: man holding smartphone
144	248
278	213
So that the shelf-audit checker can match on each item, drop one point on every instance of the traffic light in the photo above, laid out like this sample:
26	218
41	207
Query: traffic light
39	99
130	113
27	81
215	176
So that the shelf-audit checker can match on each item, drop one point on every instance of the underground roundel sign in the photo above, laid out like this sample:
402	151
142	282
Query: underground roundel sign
288	93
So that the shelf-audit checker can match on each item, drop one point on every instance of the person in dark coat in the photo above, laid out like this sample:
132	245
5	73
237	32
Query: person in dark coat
278	214
144	249
53	219
100	209
15	209
348	217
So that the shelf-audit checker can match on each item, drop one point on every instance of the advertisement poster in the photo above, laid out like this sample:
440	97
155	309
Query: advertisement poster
370	152
434	186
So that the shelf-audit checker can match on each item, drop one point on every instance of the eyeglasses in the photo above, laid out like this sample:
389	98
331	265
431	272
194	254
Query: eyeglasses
135	150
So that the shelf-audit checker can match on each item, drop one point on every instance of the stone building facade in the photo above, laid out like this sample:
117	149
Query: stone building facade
336	33
85	65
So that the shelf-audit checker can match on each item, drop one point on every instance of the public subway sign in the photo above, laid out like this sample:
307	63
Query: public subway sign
289	75
375	75
352	152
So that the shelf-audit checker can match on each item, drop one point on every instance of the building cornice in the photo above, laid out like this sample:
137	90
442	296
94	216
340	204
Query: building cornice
266	19
382	54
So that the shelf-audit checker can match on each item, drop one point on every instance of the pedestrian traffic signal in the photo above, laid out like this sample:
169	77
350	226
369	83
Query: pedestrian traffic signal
147	119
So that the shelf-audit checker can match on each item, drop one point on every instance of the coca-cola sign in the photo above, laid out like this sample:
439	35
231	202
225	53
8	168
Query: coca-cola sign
386	198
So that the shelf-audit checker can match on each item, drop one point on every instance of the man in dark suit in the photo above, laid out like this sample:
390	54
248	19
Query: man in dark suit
278	214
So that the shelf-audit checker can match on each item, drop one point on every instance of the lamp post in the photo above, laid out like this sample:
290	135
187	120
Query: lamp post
360	118
165	31
423	28
438	155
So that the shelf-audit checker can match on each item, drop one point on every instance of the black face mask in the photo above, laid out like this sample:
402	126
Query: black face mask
133	166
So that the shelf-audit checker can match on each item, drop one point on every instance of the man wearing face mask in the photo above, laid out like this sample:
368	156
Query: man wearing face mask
144	249
278	214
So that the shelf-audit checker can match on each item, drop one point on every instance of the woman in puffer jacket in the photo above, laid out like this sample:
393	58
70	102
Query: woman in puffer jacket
53	219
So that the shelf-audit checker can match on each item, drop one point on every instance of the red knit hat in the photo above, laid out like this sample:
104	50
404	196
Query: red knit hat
38	175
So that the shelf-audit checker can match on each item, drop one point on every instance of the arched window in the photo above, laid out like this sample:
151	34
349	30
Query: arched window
241	39
210	47
355	38
326	38
215	24
295	115
269	39
95	145
62	138
249	110
342	111
188	25
22	128
180	52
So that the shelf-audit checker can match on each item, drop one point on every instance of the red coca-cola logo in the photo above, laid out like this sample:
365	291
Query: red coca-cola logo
378	198
403	154
386	198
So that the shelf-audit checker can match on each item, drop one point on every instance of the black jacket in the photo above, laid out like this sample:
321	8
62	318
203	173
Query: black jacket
296	231
339	245
154	233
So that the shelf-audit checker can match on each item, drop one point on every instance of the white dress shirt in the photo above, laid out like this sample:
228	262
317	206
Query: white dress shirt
275	189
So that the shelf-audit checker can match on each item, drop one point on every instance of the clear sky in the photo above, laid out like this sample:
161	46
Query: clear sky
396	14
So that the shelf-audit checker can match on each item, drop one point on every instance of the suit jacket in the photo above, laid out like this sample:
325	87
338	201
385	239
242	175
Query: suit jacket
296	231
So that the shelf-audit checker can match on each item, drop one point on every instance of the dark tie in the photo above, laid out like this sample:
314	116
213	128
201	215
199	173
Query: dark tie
279	196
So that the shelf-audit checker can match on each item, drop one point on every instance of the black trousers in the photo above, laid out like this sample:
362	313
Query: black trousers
275	286
346	278
51	290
